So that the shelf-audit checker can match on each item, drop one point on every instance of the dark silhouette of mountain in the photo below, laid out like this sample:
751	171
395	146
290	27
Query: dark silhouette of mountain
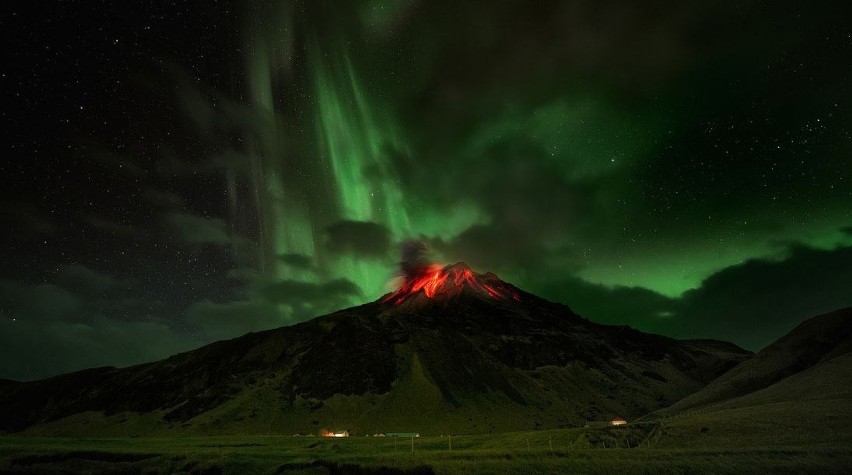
452	351
812	361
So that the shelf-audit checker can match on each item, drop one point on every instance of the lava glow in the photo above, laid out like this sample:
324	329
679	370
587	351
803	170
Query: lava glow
430	282
435	280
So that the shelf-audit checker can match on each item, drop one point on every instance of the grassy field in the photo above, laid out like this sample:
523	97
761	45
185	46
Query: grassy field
804	436
643	448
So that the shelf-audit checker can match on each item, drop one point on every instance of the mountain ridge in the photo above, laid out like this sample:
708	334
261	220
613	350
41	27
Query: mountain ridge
464	352
807	346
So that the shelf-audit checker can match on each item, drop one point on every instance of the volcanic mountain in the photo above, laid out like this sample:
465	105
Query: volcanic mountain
451	351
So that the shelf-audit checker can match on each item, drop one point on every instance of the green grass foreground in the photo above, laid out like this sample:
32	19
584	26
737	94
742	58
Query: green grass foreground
592	450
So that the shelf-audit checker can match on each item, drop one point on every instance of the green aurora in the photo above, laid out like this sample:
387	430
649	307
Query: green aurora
682	169
580	132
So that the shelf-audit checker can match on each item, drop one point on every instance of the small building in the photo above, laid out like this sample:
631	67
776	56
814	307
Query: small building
617	421
405	435
328	433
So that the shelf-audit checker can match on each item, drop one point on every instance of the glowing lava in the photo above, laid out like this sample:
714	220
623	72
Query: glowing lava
435	280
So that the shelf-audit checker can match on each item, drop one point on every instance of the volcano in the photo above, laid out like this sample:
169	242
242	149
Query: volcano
451	351
438	282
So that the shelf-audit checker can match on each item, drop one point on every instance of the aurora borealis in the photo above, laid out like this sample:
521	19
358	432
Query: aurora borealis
180	174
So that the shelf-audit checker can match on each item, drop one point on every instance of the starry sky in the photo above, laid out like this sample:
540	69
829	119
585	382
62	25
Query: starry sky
176	173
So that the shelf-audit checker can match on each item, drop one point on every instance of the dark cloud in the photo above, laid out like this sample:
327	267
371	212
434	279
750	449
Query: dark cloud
78	294
299	294
230	320
39	349
299	261
495	247
641	132
47	329
750	304
756	302
274	305
539	209
363	239
243	274
570	41
38	302
634	306
84	280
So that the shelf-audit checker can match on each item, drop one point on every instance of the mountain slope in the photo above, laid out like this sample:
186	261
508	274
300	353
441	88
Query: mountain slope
802	364
451	351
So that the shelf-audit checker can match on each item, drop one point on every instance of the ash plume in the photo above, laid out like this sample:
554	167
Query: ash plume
416	256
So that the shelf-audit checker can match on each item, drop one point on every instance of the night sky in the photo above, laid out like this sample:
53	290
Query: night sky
179	173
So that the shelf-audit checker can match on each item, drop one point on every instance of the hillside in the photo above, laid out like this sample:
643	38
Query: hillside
451	351
808	362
